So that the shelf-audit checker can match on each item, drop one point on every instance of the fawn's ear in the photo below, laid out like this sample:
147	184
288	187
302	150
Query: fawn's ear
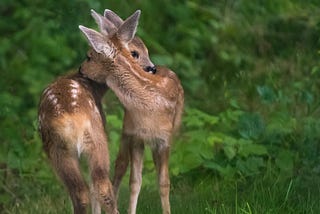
113	17
128	29
97	41
106	27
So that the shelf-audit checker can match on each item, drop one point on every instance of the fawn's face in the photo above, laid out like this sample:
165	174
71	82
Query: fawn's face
140	54
120	48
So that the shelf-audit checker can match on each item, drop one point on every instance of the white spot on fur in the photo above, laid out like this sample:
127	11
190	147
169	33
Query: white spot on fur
51	96
74	91
55	101
74	84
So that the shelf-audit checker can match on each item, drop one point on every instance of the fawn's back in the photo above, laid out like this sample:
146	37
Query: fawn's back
70	112
71	122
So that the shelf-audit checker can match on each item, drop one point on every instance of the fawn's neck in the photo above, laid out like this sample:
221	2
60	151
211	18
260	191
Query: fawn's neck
97	89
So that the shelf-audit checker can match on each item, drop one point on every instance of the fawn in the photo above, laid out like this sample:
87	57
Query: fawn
153	105
71	121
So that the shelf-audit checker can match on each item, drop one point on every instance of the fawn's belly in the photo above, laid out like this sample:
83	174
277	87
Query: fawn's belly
148	127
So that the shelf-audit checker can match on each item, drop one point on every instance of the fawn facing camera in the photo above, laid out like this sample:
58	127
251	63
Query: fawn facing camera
153	103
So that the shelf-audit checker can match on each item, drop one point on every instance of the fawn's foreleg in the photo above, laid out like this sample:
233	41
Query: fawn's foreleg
136	150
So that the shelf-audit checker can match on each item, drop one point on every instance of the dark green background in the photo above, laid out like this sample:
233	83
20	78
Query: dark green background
250	71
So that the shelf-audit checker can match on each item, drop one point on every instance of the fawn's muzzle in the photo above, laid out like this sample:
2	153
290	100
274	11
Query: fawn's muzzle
151	69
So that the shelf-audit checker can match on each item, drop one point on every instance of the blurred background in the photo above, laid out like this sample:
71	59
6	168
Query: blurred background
250	137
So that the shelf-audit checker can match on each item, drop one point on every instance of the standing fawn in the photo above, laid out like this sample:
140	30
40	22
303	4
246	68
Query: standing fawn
153	105
71	122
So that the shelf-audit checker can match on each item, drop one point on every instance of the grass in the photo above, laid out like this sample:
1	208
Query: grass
191	195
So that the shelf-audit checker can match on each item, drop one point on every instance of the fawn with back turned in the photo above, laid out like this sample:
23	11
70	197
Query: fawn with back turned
71	121
153	105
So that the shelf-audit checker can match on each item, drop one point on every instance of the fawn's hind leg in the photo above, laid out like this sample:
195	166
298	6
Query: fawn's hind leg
98	159
160	154
67	167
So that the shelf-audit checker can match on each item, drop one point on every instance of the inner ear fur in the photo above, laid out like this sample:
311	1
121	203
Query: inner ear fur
96	40
128	29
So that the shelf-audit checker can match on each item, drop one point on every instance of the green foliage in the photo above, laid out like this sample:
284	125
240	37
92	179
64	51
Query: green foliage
223	152
250	71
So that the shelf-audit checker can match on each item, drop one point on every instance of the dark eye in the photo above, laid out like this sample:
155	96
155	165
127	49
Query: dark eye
135	54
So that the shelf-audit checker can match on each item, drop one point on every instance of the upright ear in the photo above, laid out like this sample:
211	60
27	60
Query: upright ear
113	17
97	41
128	29
106	27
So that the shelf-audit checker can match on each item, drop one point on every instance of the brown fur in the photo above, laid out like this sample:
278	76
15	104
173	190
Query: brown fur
153	107
71	122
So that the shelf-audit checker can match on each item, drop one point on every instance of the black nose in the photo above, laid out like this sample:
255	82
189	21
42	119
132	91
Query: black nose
151	69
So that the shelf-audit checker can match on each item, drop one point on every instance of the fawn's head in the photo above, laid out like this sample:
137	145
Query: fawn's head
115	45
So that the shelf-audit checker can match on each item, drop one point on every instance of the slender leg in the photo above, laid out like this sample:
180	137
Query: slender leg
160	155
136	150
95	205
121	164
98	158
67	167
